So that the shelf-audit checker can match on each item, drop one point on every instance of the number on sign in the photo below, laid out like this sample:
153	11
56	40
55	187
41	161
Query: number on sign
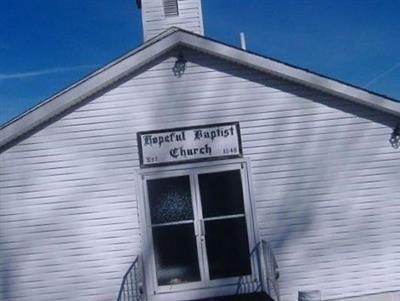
230	150
151	159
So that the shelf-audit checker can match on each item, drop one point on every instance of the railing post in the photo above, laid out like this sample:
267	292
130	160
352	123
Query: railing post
129	290
261	266
272	271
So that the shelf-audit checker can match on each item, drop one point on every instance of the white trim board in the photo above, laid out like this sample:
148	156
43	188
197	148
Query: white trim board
205	287
169	39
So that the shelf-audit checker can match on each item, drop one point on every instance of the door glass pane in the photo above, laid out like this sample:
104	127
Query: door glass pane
170	200
221	193
175	254
227	248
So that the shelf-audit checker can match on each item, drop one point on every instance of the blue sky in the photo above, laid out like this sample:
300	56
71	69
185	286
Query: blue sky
46	45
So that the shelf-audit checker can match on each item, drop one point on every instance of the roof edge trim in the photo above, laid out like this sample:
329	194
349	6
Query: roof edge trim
164	42
293	73
88	86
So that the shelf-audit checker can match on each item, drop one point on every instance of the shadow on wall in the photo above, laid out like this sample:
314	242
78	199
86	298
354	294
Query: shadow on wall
304	134
325	165
296	182
6	282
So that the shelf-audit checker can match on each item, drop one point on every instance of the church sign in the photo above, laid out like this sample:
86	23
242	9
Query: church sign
190	144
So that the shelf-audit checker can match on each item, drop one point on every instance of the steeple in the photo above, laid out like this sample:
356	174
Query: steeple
159	15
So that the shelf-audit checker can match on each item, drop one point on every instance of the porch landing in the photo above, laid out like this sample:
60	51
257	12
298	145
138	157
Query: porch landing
244	297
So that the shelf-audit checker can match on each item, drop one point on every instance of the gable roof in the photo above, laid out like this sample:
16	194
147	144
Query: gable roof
161	44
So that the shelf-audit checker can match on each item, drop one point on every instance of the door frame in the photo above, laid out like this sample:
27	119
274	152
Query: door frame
203	288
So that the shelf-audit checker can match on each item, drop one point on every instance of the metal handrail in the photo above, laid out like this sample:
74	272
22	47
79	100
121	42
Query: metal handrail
269	270
131	286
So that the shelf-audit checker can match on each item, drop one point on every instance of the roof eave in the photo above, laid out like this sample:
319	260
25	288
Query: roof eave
88	86
294	74
164	42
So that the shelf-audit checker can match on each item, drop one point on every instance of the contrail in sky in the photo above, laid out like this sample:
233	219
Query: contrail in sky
41	72
375	79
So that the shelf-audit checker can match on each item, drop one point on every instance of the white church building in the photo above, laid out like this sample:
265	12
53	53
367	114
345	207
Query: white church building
189	169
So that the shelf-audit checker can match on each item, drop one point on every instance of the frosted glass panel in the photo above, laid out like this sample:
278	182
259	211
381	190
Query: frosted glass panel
170	200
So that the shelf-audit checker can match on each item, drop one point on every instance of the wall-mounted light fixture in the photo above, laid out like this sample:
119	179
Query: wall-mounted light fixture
180	65
395	137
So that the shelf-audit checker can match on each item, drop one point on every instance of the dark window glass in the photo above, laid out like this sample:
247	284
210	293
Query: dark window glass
170	200
227	248
221	193
176	254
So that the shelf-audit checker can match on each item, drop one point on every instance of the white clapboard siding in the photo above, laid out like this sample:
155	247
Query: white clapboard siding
189	17
325	181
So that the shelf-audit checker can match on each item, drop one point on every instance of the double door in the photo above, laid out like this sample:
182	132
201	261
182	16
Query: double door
199	227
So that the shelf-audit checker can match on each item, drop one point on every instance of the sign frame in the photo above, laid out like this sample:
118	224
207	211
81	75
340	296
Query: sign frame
140	134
